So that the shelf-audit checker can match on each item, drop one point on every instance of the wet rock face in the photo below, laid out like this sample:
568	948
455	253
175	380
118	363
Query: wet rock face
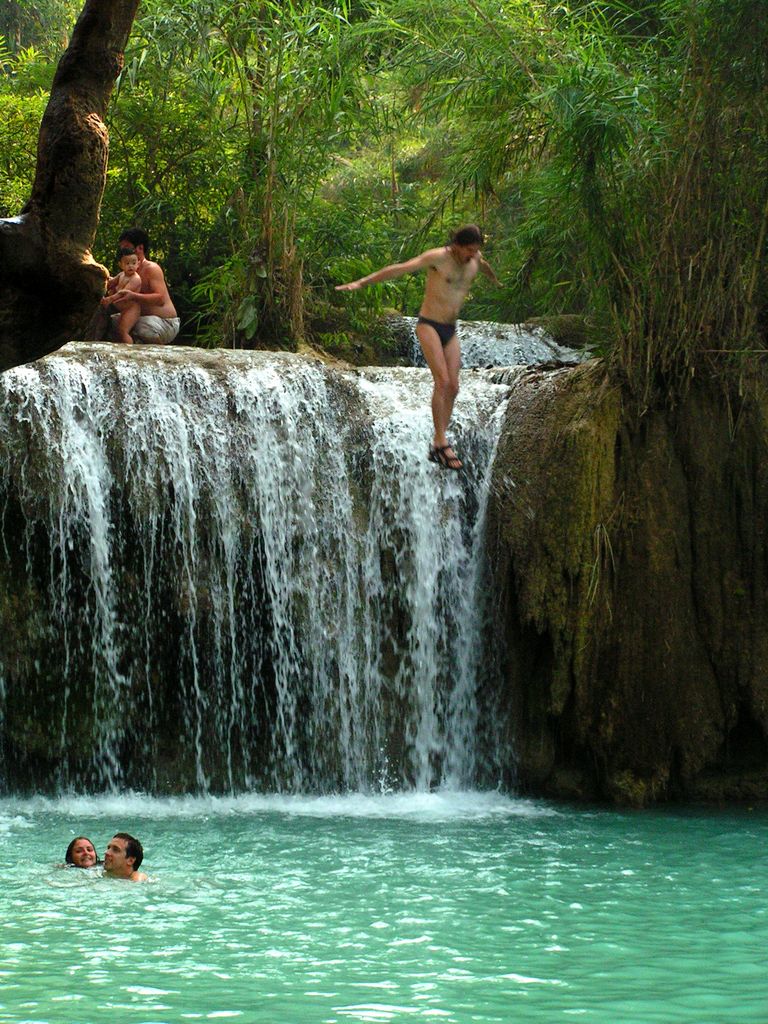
634	567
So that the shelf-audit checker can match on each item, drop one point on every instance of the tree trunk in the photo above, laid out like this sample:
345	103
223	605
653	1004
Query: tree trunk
49	282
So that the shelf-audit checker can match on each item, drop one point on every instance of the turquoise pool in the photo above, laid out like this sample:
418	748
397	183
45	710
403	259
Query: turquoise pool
447	907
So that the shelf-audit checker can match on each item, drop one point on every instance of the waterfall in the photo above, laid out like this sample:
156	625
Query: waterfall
486	344
224	571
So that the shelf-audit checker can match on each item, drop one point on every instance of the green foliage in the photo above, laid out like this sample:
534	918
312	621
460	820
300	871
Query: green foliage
336	342
21	110
218	297
19	120
621	149
222	132
615	153
6	57
689	286
44	24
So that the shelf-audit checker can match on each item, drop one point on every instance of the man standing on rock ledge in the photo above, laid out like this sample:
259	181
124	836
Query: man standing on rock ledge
450	272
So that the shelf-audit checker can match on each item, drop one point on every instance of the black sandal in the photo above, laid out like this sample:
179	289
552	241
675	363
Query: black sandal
447	461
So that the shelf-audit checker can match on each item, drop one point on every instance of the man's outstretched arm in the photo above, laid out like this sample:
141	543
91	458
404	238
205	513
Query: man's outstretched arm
392	271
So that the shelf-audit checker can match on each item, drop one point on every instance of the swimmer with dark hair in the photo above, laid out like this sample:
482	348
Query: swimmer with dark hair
450	270
81	853
123	858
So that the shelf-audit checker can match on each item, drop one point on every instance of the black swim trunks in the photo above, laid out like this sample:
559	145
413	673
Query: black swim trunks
444	331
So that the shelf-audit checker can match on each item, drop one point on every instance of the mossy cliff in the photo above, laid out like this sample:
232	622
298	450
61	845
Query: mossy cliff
632	557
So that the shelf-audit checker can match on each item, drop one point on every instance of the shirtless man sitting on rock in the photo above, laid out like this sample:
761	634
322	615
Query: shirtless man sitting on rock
155	317
450	272
148	315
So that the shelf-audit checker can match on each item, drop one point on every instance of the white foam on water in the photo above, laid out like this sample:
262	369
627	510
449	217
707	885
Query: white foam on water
491	344
442	805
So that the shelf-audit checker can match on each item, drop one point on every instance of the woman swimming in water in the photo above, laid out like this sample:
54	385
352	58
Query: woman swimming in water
81	853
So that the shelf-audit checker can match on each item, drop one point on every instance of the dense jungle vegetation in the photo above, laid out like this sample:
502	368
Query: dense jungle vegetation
614	151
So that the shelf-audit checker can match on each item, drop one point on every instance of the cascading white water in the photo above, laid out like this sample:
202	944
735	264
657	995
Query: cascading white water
485	344
238	570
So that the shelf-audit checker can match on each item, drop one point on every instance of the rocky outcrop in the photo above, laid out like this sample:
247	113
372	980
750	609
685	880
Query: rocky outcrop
633	561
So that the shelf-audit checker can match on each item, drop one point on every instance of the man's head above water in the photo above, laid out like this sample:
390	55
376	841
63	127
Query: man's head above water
123	857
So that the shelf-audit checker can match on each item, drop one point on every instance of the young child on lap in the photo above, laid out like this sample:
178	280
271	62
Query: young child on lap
127	279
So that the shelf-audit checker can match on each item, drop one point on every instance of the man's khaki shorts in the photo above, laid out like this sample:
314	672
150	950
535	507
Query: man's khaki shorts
156	330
